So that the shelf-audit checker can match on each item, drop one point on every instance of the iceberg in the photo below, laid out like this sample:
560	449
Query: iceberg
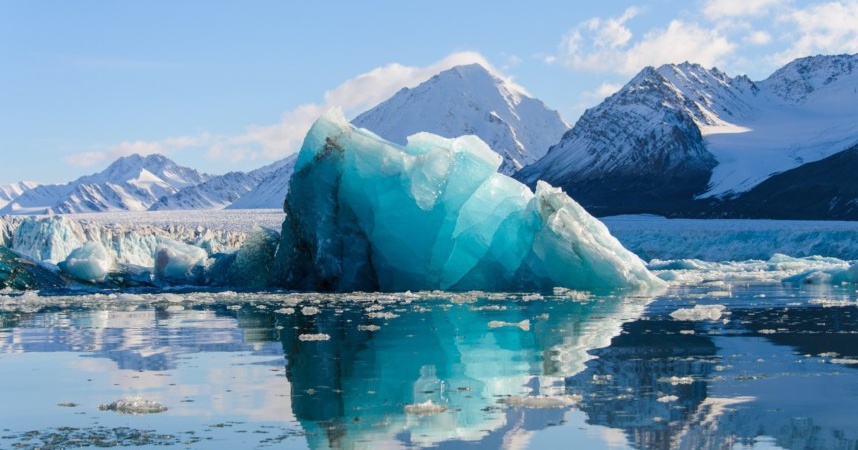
91	263
366	214
20	273
178	263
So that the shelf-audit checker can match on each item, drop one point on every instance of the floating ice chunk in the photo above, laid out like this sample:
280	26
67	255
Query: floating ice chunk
366	214
176	262
847	361
90	262
699	312
524	325
314	337
424	409
309	310
667	398
674	380
829	303
133	405
540	401
837	275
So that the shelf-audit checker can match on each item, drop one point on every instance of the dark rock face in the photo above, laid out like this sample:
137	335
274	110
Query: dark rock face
638	152
824	189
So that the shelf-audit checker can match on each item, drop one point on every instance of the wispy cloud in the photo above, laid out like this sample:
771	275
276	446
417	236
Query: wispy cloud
608	45
823	28
715	35
272	141
731	9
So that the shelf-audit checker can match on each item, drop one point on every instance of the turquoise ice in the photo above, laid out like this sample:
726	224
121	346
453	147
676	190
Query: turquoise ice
367	214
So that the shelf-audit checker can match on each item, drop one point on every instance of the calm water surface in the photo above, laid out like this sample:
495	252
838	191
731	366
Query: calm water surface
776	368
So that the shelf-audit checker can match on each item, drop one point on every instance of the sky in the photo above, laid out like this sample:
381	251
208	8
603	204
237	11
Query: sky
227	85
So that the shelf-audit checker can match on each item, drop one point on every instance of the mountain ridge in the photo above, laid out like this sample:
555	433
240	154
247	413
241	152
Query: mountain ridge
470	99
721	136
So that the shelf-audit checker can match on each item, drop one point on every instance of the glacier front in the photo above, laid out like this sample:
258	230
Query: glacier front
366	214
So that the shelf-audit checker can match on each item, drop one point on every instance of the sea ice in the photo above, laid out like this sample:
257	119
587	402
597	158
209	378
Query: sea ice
133	405
90	262
699	313
844	274
366	214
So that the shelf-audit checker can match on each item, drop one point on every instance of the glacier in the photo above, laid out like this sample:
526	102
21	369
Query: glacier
366	214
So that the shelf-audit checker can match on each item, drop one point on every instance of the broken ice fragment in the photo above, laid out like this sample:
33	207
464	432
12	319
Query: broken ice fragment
90	262
133	405
424	409
699	312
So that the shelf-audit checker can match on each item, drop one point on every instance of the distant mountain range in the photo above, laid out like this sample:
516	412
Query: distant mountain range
678	140
681	140
131	183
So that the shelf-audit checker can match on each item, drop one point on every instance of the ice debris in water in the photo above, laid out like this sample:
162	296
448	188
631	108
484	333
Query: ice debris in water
90	262
424	409
540	401
367	214
133	405
837	275
699	312
314	337
524	325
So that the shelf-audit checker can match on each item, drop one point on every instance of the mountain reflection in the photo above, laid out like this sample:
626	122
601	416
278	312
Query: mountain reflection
476	371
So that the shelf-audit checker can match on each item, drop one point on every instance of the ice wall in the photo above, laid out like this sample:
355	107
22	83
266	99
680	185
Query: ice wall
653	237
366	214
53	238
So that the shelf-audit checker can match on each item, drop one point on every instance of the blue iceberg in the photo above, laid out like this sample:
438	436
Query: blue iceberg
366	214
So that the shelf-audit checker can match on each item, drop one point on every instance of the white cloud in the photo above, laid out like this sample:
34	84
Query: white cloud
724	9
758	37
608	45
679	42
604	90
825	28
284	137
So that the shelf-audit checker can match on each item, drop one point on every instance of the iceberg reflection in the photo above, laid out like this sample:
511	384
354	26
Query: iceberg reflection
434	373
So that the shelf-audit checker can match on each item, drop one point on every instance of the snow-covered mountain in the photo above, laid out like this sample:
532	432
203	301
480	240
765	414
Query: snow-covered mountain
222	190
685	140
131	183
9	192
470	100
271	191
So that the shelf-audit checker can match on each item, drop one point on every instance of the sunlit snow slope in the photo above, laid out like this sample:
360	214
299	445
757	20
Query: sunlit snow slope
470	100
684	140
131	183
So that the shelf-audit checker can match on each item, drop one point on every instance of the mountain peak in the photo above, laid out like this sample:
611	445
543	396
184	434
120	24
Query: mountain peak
799	78
131	183
470	99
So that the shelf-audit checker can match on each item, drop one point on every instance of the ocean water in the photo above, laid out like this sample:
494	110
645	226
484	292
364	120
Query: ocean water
712	365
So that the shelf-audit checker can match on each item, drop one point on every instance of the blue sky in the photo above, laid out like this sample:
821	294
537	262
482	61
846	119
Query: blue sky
223	86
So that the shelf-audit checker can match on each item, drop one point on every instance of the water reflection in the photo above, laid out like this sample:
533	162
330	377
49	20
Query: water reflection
355	387
778	370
